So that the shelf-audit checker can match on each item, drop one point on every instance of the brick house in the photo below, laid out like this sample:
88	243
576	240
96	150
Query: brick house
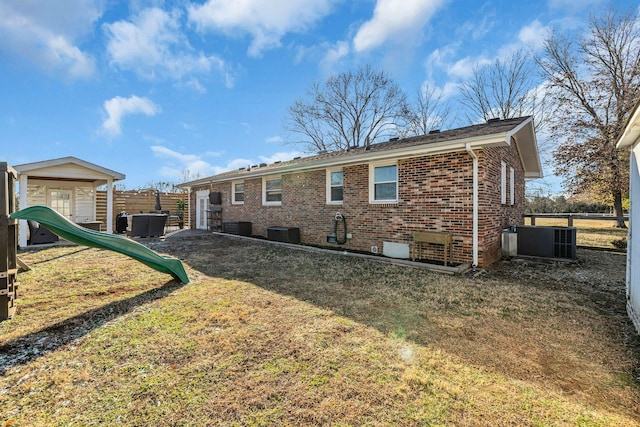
467	181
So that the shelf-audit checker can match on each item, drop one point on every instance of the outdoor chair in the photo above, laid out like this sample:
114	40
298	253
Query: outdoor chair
139	225
39	234
156	225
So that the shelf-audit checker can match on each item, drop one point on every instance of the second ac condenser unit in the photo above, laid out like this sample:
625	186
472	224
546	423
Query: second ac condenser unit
548	242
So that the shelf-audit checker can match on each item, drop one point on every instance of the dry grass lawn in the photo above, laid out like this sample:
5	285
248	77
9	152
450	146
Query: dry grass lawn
266	335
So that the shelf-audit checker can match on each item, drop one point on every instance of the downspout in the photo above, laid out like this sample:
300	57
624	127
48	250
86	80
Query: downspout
475	204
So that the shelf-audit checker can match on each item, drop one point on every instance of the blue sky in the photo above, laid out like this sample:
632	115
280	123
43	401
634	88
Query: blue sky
152	89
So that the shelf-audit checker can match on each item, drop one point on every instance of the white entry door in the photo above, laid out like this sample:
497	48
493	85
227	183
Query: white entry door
61	200
202	202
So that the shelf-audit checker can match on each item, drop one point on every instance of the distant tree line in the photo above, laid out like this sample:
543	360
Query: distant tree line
560	204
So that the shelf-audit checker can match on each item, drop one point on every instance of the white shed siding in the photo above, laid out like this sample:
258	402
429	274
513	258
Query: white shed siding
85	205
36	194
633	248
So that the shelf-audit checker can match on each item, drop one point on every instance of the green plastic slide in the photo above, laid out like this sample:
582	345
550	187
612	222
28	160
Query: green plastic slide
95	239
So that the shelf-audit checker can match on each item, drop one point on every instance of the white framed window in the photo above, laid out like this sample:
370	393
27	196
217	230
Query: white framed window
512	185
335	186
383	183
272	191
237	193
503	183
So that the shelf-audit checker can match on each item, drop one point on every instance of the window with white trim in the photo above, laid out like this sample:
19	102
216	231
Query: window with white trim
383	183
272	191
335	186
503	183
512	197
237	192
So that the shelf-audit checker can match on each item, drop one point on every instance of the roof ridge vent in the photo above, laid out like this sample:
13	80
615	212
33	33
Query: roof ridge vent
432	131
263	165
493	120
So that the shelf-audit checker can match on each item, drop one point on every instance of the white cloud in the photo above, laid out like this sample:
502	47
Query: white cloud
266	21
46	33
117	108
275	140
178	163
153	46
395	20
280	157
463	68
477	30
534	35
333	55
239	163
449	90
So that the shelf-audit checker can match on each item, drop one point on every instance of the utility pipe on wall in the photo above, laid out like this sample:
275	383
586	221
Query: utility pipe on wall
475	204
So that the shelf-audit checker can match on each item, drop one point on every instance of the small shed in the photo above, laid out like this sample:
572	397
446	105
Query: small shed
631	138
69	186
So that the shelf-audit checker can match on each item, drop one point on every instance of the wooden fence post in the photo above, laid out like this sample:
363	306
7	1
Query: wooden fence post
8	242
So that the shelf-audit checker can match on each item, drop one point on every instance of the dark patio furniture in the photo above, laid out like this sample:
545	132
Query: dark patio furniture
147	225
39	234
156	225
139	225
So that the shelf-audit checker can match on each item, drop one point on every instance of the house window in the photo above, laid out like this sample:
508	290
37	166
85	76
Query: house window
237	195
511	186
383	183
335	187
272	191
503	183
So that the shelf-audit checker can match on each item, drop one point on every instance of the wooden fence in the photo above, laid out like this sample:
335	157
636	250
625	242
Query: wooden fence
133	201
571	216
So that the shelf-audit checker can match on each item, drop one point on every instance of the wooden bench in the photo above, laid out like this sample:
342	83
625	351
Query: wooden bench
421	238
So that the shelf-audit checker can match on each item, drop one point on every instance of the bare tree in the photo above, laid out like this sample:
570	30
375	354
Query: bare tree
505	89
348	110
428	112
595	83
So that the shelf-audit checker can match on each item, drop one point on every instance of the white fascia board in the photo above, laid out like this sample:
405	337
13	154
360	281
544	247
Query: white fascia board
44	167
631	134
366	157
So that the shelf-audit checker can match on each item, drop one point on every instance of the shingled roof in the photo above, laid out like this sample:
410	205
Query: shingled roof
492	133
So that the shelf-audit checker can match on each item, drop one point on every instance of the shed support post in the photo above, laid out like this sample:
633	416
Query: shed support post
110	206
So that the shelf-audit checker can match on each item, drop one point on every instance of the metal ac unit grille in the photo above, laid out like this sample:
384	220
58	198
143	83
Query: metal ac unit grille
564	243
549	242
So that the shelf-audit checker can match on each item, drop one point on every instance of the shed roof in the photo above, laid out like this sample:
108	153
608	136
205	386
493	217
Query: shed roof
492	133
69	169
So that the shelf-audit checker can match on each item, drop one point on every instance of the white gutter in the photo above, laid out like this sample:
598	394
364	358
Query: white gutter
475	204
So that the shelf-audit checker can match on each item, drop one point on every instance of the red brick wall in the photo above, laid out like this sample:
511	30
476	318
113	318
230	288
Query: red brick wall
494	215
435	193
